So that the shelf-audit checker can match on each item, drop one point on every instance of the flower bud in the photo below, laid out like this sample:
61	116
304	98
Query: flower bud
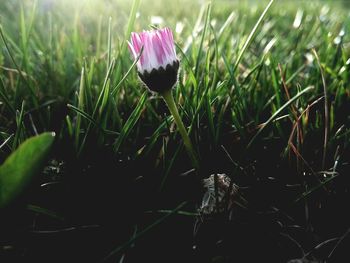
158	65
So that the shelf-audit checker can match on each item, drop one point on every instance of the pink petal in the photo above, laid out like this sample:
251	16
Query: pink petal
158	48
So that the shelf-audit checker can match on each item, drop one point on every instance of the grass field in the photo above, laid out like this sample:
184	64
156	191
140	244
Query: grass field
264	92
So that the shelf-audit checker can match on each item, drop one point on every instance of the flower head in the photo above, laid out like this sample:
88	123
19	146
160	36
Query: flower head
158	65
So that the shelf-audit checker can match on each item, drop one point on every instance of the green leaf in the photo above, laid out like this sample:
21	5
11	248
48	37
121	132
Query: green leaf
22	165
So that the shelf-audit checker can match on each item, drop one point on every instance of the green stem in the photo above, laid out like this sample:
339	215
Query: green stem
169	100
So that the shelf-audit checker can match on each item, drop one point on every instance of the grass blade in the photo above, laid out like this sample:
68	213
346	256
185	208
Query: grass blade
130	123
143	232
251	35
326	110
274	116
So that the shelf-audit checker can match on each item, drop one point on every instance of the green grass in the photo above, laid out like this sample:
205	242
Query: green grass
254	88
54	57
